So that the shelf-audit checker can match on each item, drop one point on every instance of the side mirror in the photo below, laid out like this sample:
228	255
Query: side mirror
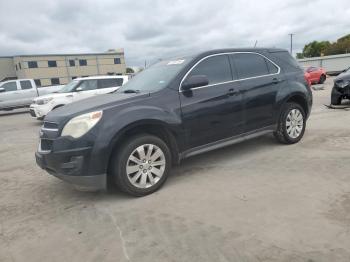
78	89
2	89
194	81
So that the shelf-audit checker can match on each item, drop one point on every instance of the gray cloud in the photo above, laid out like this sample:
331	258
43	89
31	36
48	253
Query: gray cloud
151	29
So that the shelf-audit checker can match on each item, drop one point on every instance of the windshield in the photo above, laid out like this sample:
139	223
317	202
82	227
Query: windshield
155	77
69	87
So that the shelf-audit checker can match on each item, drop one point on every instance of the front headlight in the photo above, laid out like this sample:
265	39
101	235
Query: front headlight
43	101
80	125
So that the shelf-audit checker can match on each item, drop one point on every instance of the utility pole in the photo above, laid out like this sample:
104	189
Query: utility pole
291	44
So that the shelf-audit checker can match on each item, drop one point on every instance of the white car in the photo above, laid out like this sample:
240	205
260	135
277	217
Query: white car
78	89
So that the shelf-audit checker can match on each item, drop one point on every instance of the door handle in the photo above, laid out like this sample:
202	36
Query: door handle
275	80
232	92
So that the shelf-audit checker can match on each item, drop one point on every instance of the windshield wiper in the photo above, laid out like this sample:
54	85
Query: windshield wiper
131	91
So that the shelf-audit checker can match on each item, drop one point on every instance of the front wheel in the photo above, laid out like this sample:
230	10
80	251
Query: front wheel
142	165
291	125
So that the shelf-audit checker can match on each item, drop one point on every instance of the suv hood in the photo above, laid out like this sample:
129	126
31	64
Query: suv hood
91	104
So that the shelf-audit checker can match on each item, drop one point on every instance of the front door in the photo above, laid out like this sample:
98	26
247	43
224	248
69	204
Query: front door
86	88
213	112
9	95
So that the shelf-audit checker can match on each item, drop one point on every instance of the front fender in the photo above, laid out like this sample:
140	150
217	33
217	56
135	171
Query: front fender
120	121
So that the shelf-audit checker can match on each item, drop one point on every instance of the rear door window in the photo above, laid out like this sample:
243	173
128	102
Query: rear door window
12	86
112	82
216	69
250	65
26	84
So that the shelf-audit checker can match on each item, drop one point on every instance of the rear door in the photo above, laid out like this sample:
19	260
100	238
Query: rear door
212	112
260	80
9	97
27	92
108	85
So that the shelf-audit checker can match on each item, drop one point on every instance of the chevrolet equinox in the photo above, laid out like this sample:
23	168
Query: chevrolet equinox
175	109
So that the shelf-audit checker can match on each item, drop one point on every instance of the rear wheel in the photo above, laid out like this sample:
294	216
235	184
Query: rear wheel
322	79
291	125
142	165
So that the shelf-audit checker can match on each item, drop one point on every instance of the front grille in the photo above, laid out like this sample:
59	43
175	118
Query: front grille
50	125
45	145
32	112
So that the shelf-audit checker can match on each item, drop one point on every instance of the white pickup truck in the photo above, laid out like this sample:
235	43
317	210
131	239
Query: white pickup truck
20	93
78	89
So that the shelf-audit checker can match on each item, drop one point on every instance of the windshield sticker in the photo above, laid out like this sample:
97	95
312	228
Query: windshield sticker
176	62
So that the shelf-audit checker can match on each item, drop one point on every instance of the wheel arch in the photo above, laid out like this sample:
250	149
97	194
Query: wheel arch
151	127
299	99
57	106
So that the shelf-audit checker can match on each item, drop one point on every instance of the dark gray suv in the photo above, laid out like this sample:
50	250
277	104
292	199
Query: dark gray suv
175	109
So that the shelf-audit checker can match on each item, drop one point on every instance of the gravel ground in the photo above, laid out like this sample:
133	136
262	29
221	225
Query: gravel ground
256	201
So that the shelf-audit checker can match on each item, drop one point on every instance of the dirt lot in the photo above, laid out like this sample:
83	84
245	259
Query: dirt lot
256	201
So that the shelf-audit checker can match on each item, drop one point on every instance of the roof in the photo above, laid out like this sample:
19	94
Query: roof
203	53
249	49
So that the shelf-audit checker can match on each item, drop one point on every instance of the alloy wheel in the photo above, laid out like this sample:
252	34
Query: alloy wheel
294	123
145	166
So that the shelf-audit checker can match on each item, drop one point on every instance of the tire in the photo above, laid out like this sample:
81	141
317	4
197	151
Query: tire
128	165
284	133
336	100
322	79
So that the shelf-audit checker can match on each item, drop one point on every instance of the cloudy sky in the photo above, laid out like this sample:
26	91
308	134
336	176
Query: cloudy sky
151	29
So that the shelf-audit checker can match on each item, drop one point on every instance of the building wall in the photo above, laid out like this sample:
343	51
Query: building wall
6	68
333	63
96	64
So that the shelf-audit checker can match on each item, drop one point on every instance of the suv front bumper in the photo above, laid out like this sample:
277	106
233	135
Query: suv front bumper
68	166
77	161
37	111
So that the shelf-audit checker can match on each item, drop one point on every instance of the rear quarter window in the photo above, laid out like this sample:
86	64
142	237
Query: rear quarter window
285	58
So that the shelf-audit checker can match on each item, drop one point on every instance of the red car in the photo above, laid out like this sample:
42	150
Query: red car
315	75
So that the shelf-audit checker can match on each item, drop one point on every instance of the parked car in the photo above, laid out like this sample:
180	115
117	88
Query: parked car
341	88
173	110
315	75
76	90
20	93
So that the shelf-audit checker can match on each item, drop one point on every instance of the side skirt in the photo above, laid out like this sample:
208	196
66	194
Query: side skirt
227	142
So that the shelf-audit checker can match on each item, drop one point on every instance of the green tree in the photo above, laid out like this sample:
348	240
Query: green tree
315	48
